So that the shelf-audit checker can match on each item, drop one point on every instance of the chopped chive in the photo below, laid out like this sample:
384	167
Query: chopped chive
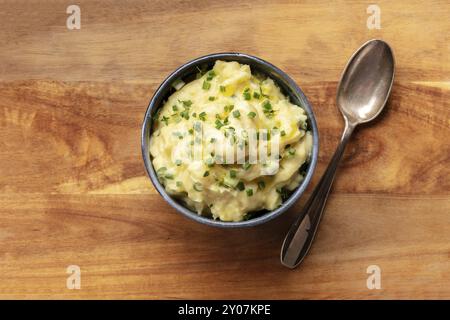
191	131
236	114
283	133
249	192
268	111
206	85
251	114
210	75
222	88
212	140
246	166
206	174
247	95
291	151
256	95
179	184
212	98
185	114
186	103
240	186
165	120
267	105
178	162
174	107
233	174
168	176
202	116
261	185
219	124
228	108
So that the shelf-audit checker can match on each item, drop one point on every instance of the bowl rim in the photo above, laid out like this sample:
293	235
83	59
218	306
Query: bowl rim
145	137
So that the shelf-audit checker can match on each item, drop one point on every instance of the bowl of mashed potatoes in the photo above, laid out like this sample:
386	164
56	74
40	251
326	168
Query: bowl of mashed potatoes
230	140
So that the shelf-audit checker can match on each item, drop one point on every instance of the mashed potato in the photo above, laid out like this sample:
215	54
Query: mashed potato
228	111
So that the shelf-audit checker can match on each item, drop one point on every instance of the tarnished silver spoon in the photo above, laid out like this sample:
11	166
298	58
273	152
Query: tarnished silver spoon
362	93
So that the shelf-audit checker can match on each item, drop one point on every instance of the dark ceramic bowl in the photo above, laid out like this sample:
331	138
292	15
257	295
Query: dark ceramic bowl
187	73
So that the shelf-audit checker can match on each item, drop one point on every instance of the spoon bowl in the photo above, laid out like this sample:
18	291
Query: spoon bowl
366	82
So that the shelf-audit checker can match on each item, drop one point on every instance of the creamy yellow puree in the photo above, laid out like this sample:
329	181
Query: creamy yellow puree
228	96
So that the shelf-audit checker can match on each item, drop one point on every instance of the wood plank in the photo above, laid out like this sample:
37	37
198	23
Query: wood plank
126	248
137	40
83	137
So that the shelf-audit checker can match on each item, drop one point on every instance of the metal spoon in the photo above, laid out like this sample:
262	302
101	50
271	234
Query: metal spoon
362	93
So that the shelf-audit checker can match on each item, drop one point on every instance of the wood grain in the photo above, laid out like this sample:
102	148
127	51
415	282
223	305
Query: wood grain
73	189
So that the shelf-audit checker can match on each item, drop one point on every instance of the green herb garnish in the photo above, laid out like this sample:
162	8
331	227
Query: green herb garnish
165	120
267	109
261	185
247	95
251	115
291	151
206	85
210	75
219	124
186	103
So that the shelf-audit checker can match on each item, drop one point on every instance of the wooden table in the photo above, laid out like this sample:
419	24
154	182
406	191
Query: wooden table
73	186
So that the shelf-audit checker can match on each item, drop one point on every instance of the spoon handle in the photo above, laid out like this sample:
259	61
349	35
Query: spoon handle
300	236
